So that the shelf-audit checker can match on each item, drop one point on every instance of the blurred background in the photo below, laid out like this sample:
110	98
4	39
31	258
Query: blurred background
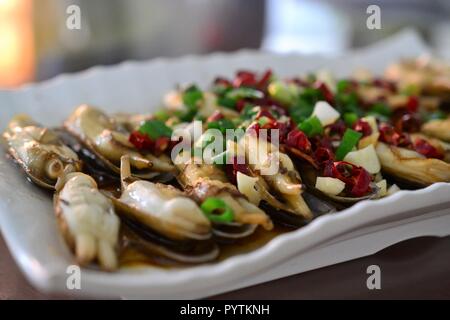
35	43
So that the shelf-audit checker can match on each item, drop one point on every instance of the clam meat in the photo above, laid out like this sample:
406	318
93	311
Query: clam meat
87	220
39	151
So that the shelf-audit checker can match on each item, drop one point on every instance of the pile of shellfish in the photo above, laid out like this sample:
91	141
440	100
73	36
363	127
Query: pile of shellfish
107	173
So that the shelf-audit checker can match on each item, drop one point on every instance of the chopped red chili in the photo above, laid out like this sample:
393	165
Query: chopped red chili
362	127
406	121
141	141
425	148
231	169
244	78
357	179
161	145
222	82
336	130
323	155
263	82
391	136
297	139
326	92
413	104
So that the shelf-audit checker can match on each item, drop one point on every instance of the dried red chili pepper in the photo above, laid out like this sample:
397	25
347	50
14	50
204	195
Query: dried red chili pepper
390	136
326	92
336	130
297	139
140	140
357	179
362	127
161	145
413	104
231	169
262	83
323	155
405	121
244	78
425	148
219	81
143	142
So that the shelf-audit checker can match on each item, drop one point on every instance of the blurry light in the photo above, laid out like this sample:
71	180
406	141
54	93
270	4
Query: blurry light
16	42
8	5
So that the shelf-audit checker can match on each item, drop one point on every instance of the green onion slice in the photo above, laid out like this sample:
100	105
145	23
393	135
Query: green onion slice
311	126
247	93
350	118
155	129
216	210
349	141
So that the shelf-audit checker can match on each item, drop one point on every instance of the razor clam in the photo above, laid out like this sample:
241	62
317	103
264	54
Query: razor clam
285	182
430	76
411	166
108	141
439	129
87	220
39	151
130	122
286	218
206	180
173	224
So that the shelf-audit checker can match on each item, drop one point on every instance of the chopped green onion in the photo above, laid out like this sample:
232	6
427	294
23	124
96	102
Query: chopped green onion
349	141
249	111
283	92
244	93
216	210
222	125
382	109
350	118
191	96
342	85
226	102
347	102
220	89
263	121
155	129
311	95
311	126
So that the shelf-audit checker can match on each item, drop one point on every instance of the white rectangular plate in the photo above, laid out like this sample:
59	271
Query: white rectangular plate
28	224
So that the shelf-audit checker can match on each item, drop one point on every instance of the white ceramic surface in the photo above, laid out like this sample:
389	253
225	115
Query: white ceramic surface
28	224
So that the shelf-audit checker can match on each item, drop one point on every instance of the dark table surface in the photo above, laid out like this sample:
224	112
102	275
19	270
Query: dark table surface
414	269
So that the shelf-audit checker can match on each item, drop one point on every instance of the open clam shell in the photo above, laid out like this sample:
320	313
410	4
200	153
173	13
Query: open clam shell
39	151
201	181
318	207
107	141
411	166
172	223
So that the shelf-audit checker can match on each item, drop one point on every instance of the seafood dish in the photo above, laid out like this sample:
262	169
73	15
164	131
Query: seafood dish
221	170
